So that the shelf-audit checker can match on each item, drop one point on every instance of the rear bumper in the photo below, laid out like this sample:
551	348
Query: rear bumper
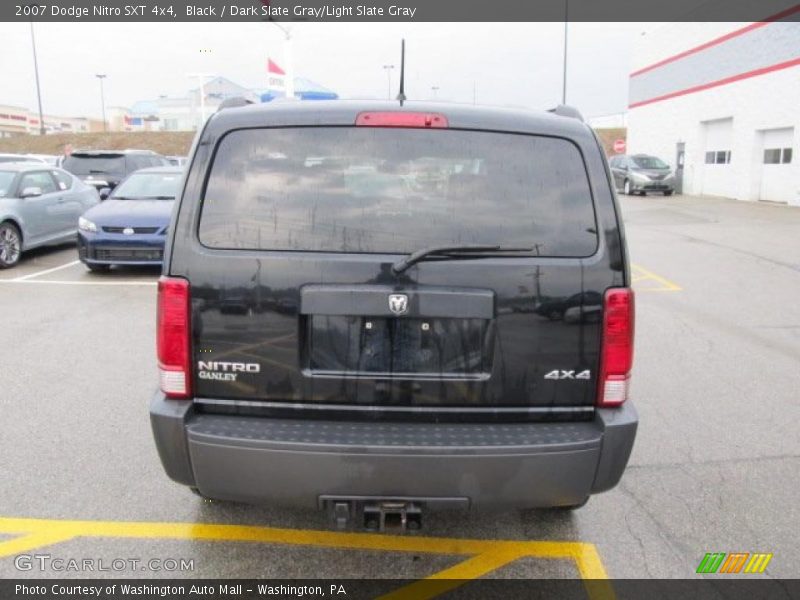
654	186
296	462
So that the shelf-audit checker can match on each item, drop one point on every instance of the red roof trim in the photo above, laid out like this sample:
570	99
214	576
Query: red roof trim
725	81
715	42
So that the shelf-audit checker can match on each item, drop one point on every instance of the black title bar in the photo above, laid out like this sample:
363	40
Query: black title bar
698	588
399	10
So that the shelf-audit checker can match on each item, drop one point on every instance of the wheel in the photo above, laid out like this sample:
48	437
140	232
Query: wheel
98	268
626	187
668	193
10	245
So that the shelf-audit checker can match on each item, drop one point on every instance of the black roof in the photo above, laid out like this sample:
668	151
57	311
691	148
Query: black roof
344	112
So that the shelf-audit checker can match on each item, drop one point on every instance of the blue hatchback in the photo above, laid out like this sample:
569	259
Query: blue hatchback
130	227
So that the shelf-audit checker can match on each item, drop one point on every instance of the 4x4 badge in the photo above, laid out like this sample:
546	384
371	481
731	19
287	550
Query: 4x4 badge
398	303
562	374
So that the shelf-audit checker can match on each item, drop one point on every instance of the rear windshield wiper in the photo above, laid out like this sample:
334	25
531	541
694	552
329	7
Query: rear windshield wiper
449	252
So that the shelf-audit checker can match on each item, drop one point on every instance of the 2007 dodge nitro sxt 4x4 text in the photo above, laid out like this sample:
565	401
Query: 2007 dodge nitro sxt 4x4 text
351	311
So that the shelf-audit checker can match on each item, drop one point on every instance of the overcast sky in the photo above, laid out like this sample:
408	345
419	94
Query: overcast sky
516	64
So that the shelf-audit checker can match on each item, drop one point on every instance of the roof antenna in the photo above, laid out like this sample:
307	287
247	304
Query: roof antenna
402	95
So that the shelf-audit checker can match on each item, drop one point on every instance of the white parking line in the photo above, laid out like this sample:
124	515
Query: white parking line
45	272
59	282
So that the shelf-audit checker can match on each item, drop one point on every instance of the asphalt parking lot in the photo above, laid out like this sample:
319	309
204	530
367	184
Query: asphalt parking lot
714	468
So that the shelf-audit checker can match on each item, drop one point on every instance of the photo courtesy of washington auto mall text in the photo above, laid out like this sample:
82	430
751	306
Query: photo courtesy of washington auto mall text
399	300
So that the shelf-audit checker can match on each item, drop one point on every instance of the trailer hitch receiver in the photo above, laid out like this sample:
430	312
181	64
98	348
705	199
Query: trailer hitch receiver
392	516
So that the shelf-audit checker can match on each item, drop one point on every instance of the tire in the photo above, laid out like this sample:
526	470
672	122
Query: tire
98	268
626	188
10	245
668	193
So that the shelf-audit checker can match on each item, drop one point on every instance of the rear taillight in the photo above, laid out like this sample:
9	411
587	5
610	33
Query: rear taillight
172	337
616	354
401	119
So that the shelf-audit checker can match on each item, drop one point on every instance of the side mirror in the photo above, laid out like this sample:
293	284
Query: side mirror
31	192
104	193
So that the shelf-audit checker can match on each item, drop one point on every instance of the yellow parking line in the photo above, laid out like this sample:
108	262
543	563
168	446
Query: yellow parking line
34	540
668	286
485	556
453	577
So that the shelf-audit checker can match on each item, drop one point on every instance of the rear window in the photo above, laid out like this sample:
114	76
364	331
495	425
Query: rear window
383	190
82	164
64	179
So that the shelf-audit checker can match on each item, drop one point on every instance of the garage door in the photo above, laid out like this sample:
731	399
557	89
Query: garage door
717	179
777	182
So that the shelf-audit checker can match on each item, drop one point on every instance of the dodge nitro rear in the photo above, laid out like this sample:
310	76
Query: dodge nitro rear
356	311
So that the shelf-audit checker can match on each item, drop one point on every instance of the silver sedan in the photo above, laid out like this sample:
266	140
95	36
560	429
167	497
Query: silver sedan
39	205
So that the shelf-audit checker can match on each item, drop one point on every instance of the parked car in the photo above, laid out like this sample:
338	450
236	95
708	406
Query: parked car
375	375
131	225
176	161
39	205
8	158
50	159
641	173
104	169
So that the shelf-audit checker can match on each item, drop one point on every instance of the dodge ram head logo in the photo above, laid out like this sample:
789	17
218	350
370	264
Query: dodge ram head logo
398	303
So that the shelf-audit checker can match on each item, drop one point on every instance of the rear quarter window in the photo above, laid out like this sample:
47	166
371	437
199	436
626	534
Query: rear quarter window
390	190
64	180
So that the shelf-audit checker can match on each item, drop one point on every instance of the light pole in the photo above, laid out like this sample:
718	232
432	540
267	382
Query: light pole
102	100
38	89
287	59
434	89
388	69
202	78
566	34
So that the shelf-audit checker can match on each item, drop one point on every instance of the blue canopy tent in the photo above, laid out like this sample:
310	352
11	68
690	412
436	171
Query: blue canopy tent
304	89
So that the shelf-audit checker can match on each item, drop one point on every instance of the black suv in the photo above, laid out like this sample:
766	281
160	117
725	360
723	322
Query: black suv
347	317
105	169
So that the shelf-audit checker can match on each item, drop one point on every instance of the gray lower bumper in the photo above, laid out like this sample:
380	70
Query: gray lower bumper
286	461
652	187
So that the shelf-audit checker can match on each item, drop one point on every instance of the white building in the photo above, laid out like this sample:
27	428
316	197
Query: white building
182	113
187	112
723	99
18	120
